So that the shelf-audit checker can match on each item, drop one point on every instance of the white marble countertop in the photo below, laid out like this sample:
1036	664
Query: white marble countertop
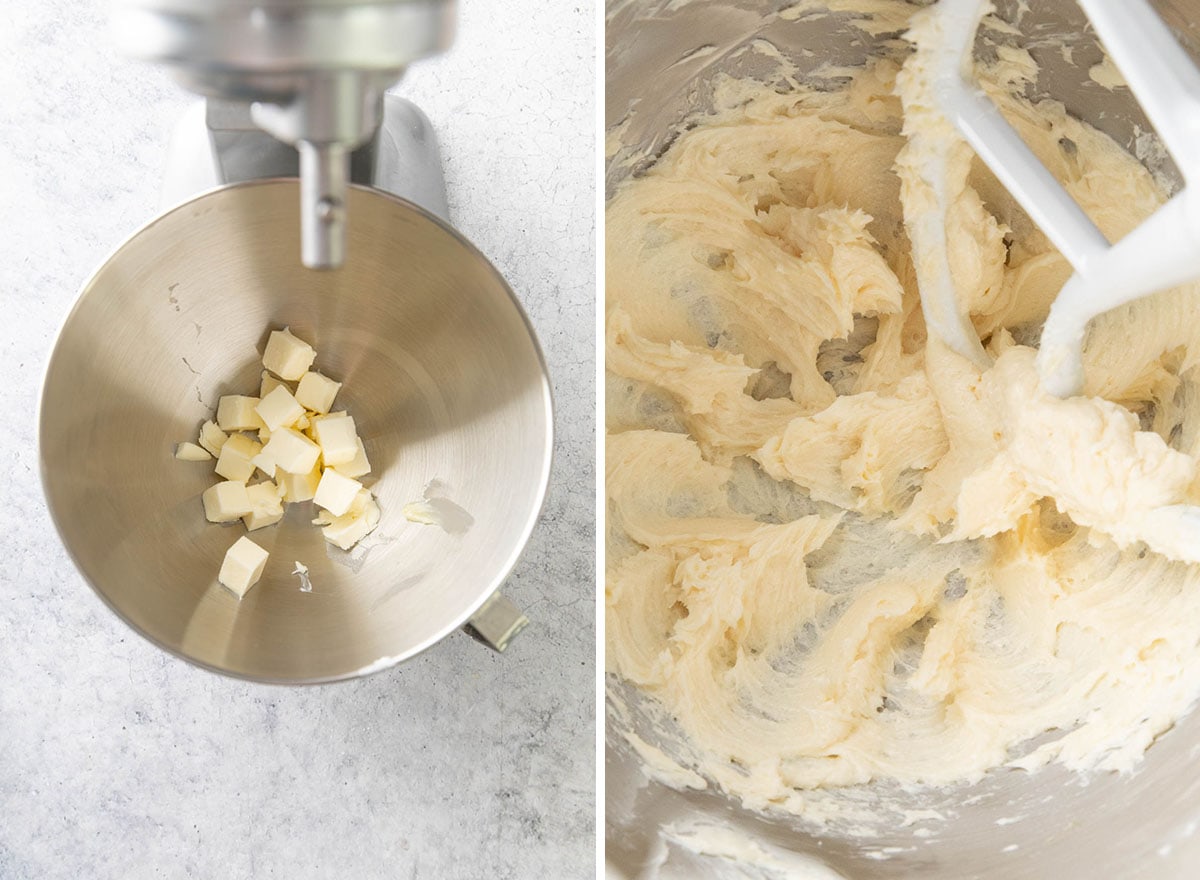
119	761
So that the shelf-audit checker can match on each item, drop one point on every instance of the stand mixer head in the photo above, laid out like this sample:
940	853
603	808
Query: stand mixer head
313	73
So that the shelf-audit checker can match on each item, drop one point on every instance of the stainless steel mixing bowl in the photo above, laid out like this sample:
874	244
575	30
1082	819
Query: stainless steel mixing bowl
440	369
662	58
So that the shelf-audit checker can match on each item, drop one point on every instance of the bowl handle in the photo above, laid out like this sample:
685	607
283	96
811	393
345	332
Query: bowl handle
496	622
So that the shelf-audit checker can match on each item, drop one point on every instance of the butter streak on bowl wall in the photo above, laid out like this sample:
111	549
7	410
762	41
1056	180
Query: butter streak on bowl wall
439	366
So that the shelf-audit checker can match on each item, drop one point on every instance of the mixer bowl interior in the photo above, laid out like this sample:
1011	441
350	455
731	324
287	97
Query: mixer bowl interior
663	60
440	370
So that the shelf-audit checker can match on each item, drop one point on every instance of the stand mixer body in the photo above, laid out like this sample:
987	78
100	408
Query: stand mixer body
298	88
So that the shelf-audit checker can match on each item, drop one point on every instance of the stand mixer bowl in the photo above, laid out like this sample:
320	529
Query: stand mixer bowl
440	369
663	59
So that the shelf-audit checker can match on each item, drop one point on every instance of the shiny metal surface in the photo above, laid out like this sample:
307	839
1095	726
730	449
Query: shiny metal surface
497	622
662	58
441	371
216	142
313	73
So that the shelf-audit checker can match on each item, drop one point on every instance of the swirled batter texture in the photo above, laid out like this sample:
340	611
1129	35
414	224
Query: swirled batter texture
839	552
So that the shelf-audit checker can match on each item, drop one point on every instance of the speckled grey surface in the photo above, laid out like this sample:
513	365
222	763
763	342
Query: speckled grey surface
117	760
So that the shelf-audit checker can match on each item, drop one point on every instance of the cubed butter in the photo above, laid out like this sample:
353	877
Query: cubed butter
264	463
237	413
316	392
279	409
226	502
236	461
357	506
336	493
292	451
243	566
191	452
311	430
308	452
320	417
299	487
338	439
361	500
346	531
357	466
269	383
212	438
267	508
286	356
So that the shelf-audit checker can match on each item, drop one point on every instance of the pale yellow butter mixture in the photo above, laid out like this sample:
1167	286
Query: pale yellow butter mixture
839	552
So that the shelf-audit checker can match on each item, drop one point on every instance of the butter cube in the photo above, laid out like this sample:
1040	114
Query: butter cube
237	413
264	434
236	461
191	452
302	423
212	438
279	409
317	392
264	463
338	439
292	451
336	493
357	466
361	501
243	566
346	531
357	506
268	509
269	383
311	430
299	487
286	356
226	502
